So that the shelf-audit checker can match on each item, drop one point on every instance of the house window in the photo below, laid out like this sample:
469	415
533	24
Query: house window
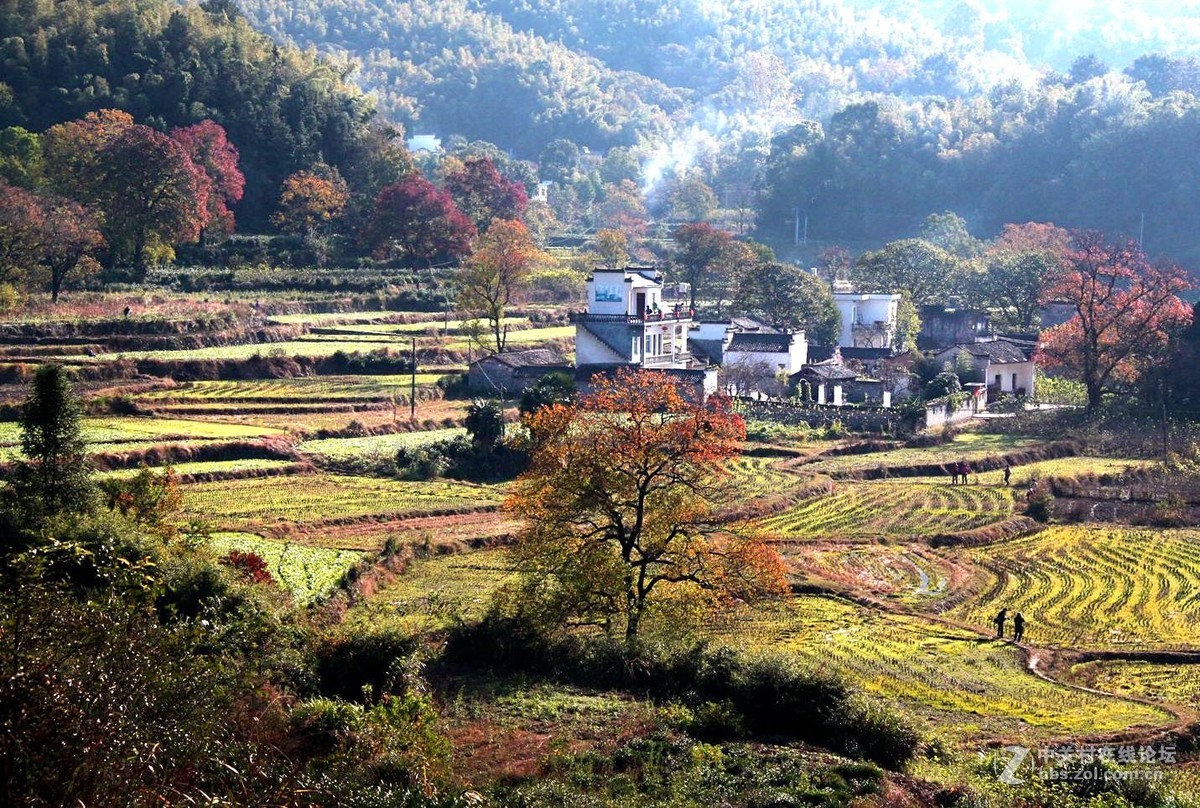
999	383
637	346
1014	387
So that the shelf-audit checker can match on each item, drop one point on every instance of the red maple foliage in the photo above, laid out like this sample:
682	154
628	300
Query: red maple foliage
420	221
210	151
482	193
1125	309
249	564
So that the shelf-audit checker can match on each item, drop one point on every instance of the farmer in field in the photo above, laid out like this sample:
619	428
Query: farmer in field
953	473
1007	473
998	620
1018	627
963	471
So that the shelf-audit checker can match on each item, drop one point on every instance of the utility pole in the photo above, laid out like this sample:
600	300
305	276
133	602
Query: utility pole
412	385
1142	234
796	226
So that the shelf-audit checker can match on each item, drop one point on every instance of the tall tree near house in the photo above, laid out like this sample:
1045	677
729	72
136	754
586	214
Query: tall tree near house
151	193
417	220
1021	267
496	274
913	265
70	238
790	299
619	507
1125	308
483	194
700	250
210	150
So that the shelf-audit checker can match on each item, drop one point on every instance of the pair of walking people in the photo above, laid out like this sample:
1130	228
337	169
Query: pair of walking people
1018	625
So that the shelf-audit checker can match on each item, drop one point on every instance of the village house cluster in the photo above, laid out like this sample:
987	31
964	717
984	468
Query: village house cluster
634	320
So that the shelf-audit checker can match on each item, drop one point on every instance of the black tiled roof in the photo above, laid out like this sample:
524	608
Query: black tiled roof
759	343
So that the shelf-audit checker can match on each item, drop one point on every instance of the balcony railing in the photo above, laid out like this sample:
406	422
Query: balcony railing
675	315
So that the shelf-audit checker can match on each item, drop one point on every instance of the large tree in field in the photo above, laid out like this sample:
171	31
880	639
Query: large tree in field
619	507
70	238
71	152
911	265
790	299
700	252
496	274
152	194
210	151
416	219
1125	308
483	194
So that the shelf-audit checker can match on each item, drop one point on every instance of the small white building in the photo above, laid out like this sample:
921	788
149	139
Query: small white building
778	351
1007	367
868	320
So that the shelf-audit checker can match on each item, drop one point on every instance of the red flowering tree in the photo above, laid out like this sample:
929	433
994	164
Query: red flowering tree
1125	309
619	507
482	193
210	151
416	219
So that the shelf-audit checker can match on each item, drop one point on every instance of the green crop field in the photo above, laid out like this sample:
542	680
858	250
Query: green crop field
217	467
303	389
1166	682
306	572
967	446
903	509
963	685
436	592
375	445
320	497
1094	587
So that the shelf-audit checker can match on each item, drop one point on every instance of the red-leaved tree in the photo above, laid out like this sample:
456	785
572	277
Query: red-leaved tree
152	194
21	224
416	219
210	151
70	238
1125	309
482	193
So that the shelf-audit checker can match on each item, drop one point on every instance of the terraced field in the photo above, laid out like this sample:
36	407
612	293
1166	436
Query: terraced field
892	509
123	434
756	476
1166	682
953	680
260	465
911	574
436	592
967	446
308	573
375	445
1094	587
304	389
235	504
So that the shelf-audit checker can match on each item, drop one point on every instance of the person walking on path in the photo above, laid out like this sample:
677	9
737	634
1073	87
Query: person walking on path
1018	627
999	622
964	471
1007	473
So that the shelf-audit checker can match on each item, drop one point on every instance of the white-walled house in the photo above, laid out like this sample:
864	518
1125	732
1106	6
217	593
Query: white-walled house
1007	368
868	320
778	351
627	322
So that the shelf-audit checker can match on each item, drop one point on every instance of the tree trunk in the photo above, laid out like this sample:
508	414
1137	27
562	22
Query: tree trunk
1094	394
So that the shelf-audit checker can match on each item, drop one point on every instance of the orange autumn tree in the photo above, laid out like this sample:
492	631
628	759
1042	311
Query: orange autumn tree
497	274
1125	310
618	507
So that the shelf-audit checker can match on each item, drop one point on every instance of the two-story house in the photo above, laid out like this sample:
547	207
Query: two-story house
627	323
868	320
